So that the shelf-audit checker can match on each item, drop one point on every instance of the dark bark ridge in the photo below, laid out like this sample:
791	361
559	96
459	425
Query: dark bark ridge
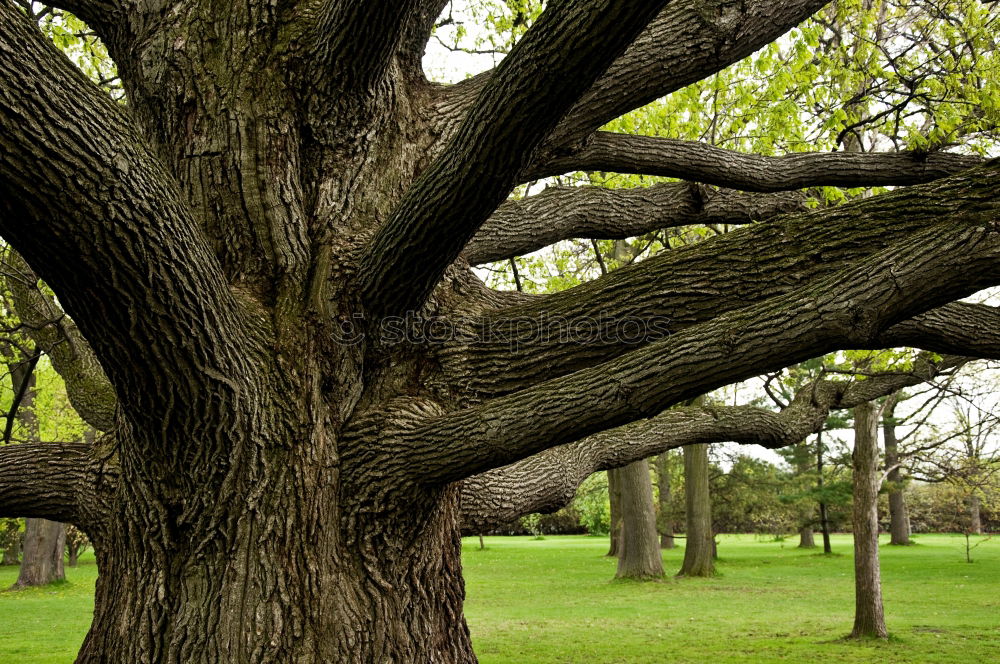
273	489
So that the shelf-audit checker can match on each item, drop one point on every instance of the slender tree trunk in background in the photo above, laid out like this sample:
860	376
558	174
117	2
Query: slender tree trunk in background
699	545
975	516
44	542
806	539
899	518
615	498
664	523
11	554
824	521
639	549
869	614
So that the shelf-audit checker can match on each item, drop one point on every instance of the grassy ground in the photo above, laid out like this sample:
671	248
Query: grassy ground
553	601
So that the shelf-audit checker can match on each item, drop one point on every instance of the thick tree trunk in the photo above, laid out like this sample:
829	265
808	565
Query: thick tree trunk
699	546
664	522
806	539
975	515
899	519
276	584
639	555
869	614
615	498
44	543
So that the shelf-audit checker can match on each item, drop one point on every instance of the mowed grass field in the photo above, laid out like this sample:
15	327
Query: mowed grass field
553	601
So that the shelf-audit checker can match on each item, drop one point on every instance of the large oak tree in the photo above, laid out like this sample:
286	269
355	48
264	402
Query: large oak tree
281	478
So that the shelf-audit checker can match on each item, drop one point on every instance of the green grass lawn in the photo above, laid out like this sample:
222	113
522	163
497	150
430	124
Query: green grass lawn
553	601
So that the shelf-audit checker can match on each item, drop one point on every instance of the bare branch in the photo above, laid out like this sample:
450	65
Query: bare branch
700	162
558	213
570	45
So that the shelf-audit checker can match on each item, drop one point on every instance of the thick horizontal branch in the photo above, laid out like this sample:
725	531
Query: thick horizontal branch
56	334
675	289
559	213
848	309
958	328
92	210
699	162
548	481
560	56
49	480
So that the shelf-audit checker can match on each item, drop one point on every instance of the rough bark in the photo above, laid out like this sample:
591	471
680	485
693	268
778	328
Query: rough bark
869	614
639	557
806	540
699	542
665	523
558	213
899	520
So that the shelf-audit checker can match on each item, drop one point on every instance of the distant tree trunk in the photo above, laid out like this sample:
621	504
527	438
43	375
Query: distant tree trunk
899	519
639	549
806	539
975	517
665	524
12	536
44	542
824	521
699	546
869	614
615	497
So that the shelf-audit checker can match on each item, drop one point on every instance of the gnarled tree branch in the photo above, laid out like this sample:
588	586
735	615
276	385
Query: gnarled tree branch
548	481
674	290
89	206
845	310
559	213
700	162
571	44
56	481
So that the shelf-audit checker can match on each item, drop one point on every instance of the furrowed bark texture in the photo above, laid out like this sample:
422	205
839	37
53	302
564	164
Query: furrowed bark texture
285	470
869	614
